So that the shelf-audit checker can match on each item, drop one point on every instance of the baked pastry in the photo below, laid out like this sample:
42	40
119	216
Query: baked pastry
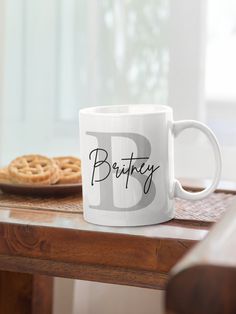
70	169
4	175
34	169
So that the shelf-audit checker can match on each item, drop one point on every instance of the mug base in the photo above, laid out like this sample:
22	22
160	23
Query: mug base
106	223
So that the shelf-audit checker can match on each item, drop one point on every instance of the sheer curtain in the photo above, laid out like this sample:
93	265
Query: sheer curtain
59	56
64	55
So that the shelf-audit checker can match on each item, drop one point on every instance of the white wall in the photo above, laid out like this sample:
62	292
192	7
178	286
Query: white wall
98	298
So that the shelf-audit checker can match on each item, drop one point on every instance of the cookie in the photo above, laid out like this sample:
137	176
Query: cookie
4	175
34	169
70	169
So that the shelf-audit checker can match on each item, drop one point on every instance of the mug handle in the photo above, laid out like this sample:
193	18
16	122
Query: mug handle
178	127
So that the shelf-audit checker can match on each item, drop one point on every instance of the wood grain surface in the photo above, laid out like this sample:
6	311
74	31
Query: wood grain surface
207	274
35	244
60	249
25	293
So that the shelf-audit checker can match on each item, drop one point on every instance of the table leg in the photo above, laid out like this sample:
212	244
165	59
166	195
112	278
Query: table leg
25	293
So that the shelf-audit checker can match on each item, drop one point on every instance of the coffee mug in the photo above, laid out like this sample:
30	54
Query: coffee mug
128	164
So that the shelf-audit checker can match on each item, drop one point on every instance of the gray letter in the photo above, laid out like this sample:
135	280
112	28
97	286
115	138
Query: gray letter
106	186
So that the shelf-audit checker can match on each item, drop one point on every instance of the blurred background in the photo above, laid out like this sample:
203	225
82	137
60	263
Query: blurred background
57	56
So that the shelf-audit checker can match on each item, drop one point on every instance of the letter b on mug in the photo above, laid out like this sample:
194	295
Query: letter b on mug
106	169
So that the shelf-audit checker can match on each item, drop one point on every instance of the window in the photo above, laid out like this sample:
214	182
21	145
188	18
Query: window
59	56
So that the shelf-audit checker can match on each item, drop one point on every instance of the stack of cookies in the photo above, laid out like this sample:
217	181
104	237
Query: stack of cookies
41	170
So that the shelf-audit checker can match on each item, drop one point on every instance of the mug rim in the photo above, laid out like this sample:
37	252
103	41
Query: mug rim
126	110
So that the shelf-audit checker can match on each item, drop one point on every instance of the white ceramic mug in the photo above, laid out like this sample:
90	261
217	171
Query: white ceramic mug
128	164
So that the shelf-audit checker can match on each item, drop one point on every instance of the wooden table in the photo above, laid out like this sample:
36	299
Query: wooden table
36	245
